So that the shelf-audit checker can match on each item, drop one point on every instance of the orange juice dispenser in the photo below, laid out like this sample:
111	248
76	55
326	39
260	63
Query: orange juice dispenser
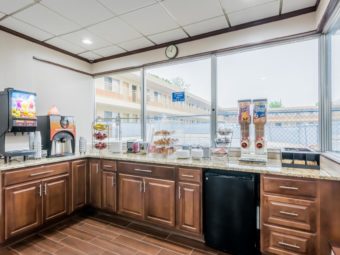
244	119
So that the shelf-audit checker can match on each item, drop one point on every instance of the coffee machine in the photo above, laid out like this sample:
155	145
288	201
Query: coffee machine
17	118
58	134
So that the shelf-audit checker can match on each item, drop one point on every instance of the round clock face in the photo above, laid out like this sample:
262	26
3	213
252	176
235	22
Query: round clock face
171	51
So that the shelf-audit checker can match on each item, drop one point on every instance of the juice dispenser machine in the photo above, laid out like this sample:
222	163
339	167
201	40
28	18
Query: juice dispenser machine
17	116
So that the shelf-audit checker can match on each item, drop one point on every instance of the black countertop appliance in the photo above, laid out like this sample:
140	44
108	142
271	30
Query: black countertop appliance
58	134
231	212
17	115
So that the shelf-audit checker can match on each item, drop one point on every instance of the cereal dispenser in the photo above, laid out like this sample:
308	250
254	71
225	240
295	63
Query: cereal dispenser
253	149
259	120
244	119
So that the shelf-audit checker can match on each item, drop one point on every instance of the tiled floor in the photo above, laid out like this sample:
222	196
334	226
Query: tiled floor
105	236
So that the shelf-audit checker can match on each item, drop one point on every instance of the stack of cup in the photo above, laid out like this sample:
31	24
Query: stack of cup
37	145
82	145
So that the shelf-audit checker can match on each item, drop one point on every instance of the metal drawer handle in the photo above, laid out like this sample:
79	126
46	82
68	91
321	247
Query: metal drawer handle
142	170
40	190
288	187
41	173
107	166
188	175
289	245
289	213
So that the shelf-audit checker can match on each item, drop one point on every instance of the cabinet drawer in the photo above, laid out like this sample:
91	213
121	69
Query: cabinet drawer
190	175
109	165
154	171
289	212
290	186
35	173
281	241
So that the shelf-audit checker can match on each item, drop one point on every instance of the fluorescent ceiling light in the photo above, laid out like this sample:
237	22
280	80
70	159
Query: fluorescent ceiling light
87	41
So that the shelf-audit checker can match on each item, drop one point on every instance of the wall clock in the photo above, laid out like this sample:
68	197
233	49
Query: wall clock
171	51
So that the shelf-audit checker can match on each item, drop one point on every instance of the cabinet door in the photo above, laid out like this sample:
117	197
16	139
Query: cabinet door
79	181
95	184
160	201
131	196
189	207
23	208
109	191
55	197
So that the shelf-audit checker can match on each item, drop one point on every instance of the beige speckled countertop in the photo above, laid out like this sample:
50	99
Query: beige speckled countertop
329	170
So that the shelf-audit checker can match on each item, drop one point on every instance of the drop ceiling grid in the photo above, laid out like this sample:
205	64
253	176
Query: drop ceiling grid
137	23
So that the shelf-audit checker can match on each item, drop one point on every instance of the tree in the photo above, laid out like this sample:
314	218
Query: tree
178	81
275	104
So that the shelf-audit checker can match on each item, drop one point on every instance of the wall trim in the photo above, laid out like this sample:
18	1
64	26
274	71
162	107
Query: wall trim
33	40
219	51
214	33
62	66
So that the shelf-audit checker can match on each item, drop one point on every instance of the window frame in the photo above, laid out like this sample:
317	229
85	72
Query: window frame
323	89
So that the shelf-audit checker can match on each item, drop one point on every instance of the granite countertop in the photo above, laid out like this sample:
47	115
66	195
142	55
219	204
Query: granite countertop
272	167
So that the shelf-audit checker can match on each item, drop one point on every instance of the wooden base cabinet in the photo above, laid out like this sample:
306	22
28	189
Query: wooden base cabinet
95	183
160	201
289	215
109	191
79	184
189	207
131	196
29	205
147	199
23	208
55	197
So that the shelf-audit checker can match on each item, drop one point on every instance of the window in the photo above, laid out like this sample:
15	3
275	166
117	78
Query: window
287	76
122	99
191	124
335	40
115	85
108	83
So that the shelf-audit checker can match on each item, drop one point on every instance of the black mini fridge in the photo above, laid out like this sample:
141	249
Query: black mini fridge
230	212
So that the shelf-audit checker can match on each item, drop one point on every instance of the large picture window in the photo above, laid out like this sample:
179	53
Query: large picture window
119	95
287	76
336	91
284	74
190	118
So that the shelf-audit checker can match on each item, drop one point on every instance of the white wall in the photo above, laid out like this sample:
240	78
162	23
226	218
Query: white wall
71	92
295	25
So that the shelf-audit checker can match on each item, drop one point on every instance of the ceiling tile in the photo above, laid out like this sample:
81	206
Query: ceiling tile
65	45
114	30
233	6
120	7
25	28
82	12
79	36
206	26
10	6
168	36
46	19
150	20
1	15
190	11
90	55
109	51
136	44
255	13
293	5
